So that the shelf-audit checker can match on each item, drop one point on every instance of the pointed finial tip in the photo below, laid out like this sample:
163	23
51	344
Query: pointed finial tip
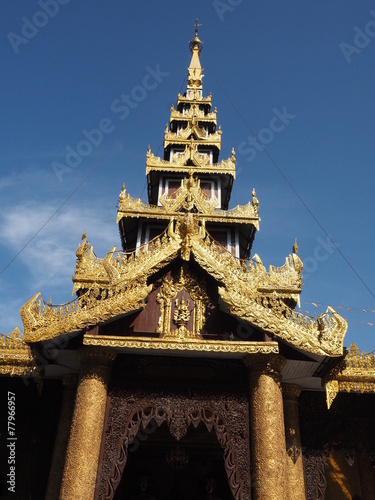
295	246
196	42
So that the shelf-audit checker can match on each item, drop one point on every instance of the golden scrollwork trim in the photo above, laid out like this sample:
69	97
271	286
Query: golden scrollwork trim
205	346
43	321
16	358
356	373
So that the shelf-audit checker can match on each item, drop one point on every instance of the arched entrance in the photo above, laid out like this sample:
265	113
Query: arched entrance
145	427
165	468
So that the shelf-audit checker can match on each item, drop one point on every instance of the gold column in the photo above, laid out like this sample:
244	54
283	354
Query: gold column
267	427
366	475
295	485
62	437
87	426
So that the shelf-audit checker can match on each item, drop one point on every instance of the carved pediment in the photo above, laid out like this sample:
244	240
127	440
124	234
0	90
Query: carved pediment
183	300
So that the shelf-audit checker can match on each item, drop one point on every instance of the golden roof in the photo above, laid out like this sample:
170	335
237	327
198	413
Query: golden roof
355	373
119	284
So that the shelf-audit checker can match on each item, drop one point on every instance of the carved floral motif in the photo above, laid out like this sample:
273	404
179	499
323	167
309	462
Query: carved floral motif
356	373
15	355
226	415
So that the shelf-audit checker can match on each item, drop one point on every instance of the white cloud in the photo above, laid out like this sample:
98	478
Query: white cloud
50	256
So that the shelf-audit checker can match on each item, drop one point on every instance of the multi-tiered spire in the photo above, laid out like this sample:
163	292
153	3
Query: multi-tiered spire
192	144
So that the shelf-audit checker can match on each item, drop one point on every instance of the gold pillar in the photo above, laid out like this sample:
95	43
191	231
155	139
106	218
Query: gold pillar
62	437
366	475
267	427
295	485
82	455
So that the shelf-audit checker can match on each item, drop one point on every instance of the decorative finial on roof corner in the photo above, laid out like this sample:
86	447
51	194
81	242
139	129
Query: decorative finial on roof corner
295	247
84	237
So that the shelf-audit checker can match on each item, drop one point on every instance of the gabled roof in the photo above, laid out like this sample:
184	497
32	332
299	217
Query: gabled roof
248	292
355	373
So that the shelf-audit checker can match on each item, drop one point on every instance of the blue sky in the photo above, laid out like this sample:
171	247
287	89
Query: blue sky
65	68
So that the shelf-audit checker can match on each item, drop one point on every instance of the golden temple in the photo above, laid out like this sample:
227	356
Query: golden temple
182	345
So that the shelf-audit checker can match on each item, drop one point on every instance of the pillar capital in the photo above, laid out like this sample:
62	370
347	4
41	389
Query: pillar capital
97	355
291	392
96	362
267	364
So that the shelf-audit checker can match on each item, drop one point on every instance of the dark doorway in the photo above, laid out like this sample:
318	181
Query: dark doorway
166	469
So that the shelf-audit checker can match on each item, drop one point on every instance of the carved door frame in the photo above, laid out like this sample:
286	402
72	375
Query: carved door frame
226	414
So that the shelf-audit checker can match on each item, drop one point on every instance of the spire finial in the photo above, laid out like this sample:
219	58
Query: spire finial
196	42
195	74
295	247
196	26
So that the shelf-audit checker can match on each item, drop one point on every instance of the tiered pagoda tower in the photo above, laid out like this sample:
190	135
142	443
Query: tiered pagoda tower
190	354
189	179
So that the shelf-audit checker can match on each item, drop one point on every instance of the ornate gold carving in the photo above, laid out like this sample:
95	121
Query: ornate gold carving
251	279
82	455
182	314
191	153
188	196
170	344
169	291
44	321
315	464
356	373
186	199
273	315
89	268
135	266
294	464
193	111
15	355
183	137
211	140
271	365
249	292
332	389
225	415
194	96
195	73
267	428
